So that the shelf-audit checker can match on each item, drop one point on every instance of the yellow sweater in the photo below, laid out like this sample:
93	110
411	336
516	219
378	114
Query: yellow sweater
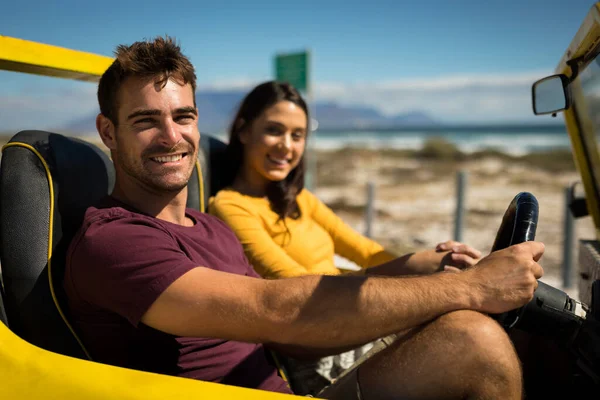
307	249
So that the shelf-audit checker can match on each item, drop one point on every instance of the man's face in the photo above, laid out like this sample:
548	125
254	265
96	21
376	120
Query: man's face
157	138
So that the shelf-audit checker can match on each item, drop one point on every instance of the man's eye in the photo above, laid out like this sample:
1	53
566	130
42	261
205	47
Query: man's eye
144	121
184	118
298	136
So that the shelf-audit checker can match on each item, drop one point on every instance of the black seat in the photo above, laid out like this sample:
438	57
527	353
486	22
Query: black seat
211	158
47	181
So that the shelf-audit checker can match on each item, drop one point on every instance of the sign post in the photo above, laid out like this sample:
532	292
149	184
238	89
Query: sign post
294	68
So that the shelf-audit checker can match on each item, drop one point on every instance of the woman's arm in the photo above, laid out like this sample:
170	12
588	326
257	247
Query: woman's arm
347	242
368	253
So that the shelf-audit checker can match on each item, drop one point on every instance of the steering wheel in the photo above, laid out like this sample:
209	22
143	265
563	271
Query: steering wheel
518	225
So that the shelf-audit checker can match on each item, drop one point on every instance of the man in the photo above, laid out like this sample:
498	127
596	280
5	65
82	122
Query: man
155	286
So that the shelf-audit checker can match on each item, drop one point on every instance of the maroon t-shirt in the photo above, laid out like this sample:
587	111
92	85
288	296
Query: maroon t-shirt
121	261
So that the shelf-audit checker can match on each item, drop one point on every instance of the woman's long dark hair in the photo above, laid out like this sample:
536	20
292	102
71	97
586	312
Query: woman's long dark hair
281	194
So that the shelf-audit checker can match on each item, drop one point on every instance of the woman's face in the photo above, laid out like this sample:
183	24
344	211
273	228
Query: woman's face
274	143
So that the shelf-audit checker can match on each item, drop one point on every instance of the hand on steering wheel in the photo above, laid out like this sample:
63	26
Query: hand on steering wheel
506	280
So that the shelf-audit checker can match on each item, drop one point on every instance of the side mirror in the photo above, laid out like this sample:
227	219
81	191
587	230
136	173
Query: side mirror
551	94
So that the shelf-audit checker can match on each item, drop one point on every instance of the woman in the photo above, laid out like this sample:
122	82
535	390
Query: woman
286	230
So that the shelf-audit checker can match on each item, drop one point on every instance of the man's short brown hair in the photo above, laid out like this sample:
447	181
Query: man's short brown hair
161	58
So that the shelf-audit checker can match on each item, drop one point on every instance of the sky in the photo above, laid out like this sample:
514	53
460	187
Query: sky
459	61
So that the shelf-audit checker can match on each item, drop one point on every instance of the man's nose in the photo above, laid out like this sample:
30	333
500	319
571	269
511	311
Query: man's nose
170	135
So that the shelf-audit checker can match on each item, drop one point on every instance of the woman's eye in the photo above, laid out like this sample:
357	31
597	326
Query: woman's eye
273	130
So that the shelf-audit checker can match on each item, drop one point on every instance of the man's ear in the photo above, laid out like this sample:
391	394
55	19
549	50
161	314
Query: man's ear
106	129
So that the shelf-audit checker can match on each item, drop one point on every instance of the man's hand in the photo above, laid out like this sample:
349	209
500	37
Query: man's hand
457	255
506	279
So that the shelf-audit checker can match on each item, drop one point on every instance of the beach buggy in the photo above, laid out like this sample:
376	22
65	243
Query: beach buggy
47	180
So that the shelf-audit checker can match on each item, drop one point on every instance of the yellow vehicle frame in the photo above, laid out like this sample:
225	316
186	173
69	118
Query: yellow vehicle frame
29	372
43	59
584	47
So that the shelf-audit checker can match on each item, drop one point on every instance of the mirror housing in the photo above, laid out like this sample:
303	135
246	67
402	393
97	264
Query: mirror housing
551	94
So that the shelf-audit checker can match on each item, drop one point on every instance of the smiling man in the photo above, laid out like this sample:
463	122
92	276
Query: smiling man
133	110
156	286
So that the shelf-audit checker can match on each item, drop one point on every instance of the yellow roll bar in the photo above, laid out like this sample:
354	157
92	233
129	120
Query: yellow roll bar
579	127
43	59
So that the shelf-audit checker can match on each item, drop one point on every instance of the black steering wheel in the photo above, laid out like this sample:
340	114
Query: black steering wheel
518	225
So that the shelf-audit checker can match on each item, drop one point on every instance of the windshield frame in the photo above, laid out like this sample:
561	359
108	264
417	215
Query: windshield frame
583	50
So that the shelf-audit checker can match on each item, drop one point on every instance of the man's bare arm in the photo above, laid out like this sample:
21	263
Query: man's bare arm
332	312
318	311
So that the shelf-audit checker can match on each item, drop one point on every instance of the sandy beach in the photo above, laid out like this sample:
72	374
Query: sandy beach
415	196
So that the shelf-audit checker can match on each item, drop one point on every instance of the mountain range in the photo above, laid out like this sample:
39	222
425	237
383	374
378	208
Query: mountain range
217	108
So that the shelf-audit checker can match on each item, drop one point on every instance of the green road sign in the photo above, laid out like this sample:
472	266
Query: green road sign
293	68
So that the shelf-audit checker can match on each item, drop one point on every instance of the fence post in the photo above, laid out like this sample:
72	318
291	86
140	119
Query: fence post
568	238
461	183
370	212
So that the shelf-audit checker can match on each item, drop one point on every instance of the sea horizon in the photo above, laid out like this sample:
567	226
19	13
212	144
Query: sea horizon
514	139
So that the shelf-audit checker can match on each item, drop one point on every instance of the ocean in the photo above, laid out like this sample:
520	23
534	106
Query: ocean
515	140
510	139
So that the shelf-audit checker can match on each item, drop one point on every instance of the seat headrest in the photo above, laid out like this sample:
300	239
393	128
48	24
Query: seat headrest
212	158
47	181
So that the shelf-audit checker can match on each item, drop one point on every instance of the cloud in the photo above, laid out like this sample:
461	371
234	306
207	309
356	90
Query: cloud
458	98
224	84
46	109
472	98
